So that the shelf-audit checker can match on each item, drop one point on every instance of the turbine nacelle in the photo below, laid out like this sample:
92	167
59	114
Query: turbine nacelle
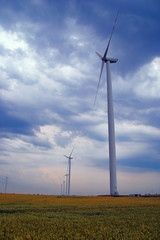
111	60
105	59
68	157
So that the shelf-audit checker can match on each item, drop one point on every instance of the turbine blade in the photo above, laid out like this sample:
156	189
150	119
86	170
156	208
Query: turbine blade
105	54
66	156
99	82
99	55
71	153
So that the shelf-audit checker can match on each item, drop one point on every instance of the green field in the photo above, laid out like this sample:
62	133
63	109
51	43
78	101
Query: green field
55	217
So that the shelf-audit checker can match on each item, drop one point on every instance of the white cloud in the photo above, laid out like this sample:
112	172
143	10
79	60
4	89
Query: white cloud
136	130
29	76
131	149
67	73
13	40
138	139
147	78
144	83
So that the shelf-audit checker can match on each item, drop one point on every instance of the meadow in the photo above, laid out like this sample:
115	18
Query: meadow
58	217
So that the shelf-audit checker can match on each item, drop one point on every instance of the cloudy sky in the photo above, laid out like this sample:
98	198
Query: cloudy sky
48	78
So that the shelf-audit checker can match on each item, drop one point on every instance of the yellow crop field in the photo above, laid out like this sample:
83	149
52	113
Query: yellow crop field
57	217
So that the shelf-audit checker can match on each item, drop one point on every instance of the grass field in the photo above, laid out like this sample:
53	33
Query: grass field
56	217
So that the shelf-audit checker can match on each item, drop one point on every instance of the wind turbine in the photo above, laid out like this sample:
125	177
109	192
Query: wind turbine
63	187
111	130
69	170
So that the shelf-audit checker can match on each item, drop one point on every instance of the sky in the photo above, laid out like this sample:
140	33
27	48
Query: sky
48	78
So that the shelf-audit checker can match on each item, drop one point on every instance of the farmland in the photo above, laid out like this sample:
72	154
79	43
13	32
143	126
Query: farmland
56	217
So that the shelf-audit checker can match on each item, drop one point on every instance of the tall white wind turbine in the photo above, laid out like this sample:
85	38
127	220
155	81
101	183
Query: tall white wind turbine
69	170
111	130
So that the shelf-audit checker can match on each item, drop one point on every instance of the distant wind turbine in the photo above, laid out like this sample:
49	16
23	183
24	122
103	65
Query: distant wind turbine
69	170
111	130
63	187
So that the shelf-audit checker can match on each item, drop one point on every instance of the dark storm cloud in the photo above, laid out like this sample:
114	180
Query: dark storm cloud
143	163
12	124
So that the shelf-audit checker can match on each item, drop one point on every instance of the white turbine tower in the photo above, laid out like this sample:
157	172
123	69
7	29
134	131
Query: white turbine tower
111	131
66	175
69	170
